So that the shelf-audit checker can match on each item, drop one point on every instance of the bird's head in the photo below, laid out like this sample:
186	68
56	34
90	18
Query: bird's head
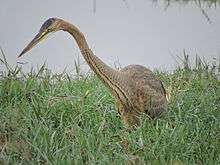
49	26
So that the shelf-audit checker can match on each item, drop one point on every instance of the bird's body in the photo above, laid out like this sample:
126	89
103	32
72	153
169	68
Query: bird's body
135	88
146	93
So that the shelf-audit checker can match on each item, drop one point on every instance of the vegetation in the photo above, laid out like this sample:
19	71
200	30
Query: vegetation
50	118
210	3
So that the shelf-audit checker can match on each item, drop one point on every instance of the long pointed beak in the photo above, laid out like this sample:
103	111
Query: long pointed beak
39	37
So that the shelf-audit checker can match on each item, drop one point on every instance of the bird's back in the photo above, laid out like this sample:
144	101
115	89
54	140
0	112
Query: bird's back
143	76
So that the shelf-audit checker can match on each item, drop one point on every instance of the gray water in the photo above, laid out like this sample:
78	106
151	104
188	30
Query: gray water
142	33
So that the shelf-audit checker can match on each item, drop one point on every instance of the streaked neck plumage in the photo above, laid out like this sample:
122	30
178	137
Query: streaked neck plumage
112	78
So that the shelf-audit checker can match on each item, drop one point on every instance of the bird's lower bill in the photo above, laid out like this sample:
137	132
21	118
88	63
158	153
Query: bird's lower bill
39	37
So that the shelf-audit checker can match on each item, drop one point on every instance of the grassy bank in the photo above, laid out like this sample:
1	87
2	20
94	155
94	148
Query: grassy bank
61	119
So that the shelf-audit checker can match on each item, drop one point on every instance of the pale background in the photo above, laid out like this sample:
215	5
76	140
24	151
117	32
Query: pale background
143	33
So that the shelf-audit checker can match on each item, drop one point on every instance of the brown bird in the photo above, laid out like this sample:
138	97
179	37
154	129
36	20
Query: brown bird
135	88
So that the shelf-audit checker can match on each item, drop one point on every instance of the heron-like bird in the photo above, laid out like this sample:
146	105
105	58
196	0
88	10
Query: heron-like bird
135	88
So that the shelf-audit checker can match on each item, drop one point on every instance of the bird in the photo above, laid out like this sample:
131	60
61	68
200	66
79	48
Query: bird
135	88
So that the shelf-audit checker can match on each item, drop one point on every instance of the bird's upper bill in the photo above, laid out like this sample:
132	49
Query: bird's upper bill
39	37
48	26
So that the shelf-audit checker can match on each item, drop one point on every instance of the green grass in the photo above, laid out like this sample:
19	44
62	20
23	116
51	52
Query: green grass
60	119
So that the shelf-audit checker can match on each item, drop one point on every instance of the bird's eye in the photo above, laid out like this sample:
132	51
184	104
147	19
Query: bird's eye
49	30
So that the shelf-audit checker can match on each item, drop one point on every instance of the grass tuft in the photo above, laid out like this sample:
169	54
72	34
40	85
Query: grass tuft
50	118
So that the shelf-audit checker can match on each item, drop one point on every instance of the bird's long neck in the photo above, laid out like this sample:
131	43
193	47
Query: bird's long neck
112	78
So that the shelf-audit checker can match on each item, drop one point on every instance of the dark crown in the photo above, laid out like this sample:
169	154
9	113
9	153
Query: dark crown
47	23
